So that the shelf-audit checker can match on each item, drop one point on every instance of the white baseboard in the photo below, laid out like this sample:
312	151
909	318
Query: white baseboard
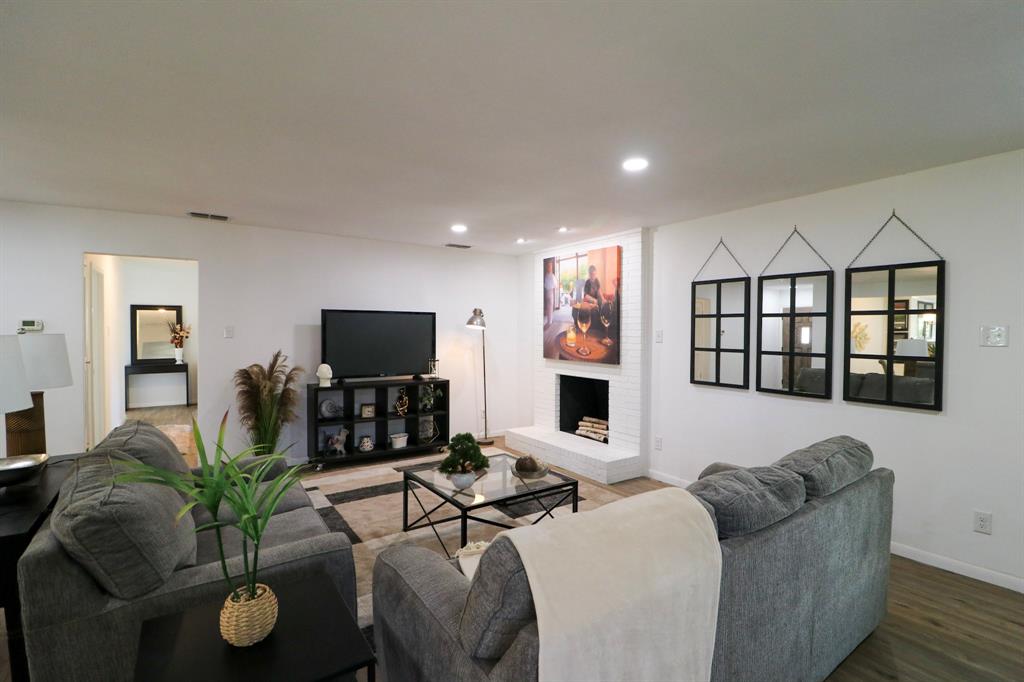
987	575
668	478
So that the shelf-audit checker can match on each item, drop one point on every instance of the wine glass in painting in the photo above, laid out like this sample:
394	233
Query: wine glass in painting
583	322
606	321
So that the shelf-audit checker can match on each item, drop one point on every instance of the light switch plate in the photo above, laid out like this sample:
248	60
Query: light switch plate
229	332
659	336
995	335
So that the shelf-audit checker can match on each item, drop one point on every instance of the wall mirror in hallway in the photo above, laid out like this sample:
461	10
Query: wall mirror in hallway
719	332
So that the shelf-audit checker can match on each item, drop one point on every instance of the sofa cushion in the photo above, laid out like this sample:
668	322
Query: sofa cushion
294	498
829	465
286	527
747	500
499	603
717	468
124	534
145	443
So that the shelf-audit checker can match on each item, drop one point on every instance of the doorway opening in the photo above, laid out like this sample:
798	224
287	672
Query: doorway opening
141	345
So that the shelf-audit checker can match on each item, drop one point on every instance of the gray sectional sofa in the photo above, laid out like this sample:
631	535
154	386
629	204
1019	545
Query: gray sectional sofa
111	556
805	569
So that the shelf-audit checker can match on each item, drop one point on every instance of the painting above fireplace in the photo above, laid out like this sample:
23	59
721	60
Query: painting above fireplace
582	294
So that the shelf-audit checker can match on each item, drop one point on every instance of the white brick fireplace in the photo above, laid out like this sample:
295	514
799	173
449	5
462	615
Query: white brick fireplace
621	457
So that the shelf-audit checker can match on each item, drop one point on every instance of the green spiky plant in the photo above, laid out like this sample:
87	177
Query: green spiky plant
464	456
224	479
267	400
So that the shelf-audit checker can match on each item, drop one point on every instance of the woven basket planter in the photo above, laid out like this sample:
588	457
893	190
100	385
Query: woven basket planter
245	622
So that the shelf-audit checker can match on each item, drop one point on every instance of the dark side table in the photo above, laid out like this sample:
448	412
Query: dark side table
315	638
23	509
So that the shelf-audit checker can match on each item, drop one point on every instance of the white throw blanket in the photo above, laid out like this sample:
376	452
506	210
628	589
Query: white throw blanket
628	591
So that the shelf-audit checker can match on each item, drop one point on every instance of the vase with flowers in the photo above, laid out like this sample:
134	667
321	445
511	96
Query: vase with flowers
243	485
179	333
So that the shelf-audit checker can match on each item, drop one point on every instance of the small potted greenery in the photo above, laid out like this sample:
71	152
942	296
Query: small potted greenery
464	462
250	610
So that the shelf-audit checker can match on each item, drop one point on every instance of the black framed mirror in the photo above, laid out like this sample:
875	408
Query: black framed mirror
150	335
794	334
719	332
894	334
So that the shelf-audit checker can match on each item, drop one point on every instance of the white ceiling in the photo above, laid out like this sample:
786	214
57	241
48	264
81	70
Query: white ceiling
394	120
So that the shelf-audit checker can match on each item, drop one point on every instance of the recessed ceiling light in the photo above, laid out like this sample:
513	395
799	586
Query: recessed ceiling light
520	241
635	164
563	229
459	227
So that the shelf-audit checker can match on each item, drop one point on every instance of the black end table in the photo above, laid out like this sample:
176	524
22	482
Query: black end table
315	638
23	509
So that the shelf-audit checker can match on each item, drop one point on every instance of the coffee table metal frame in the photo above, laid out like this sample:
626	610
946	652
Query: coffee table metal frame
568	488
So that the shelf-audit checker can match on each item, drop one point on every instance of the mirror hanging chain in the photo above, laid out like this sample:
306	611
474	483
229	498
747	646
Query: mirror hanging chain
886	224
809	245
721	242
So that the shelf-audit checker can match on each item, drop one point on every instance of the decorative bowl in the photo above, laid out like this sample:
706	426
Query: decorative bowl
463	481
20	468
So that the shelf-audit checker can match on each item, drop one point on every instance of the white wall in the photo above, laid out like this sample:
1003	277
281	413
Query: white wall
270	285
968	457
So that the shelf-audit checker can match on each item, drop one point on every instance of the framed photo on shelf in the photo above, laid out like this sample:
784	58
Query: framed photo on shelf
368	410
899	319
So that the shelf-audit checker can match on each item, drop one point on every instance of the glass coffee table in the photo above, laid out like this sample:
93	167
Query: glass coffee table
501	484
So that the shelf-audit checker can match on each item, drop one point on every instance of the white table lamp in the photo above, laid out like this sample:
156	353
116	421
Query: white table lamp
14	392
45	358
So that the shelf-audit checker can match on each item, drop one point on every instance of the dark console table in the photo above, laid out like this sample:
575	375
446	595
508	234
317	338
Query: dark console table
154	368
23	509
315	638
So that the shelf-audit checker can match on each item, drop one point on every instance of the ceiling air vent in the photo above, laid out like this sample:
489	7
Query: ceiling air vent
458	246
209	216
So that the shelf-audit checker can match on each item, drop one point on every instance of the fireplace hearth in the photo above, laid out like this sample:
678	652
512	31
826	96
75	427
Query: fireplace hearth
583	407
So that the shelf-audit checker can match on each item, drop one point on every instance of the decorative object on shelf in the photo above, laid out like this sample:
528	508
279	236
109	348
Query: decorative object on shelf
179	333
402	402
336	442
329	409
20	468
324	374
530	467
476	322
465	461
366	444
368	411
582	293
432	367
429	395
894	327
794	329
267	399
427	430
399	440
46	365
720	322
250	610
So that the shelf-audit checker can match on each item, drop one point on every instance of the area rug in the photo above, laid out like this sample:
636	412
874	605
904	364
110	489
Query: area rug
365	503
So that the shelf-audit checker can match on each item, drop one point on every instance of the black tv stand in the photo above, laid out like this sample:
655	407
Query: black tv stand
381	392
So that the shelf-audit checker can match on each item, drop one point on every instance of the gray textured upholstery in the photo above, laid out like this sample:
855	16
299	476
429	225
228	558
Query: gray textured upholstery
145	443
499	603
294	498
77	631
717	468
747	500
124	535
919	390
797	596
810	380
829	465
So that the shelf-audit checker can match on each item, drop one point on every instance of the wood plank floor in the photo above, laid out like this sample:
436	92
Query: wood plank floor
940	626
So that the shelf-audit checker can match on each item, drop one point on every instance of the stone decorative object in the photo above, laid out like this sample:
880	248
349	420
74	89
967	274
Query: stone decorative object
366	444
324	374
402	402
329	409
530	467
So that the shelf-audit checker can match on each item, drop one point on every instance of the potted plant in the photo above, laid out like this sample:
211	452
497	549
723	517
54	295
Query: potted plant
267	399
178	335
464	462
250	610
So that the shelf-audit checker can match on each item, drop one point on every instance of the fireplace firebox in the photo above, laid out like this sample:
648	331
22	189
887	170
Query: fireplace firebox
579	398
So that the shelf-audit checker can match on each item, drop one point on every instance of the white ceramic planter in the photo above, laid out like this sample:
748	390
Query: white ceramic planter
399	440
179	356
463	481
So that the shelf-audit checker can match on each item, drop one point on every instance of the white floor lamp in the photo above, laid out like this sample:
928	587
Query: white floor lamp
476	321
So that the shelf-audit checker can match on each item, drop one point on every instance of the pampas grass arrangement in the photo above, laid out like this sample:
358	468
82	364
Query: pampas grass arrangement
267	398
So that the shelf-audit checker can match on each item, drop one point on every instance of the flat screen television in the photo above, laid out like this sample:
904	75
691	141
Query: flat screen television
369	343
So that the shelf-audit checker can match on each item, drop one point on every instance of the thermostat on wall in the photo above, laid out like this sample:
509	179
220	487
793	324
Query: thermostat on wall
30	326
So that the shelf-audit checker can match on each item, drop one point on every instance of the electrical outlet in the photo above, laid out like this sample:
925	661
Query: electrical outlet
983	522
229	332
659	336
657	442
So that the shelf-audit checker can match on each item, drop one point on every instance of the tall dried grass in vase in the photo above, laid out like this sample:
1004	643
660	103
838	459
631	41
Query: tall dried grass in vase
267	398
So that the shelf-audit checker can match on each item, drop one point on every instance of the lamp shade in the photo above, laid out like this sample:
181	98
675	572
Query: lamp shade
912	348
14	393
46	360
476	320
